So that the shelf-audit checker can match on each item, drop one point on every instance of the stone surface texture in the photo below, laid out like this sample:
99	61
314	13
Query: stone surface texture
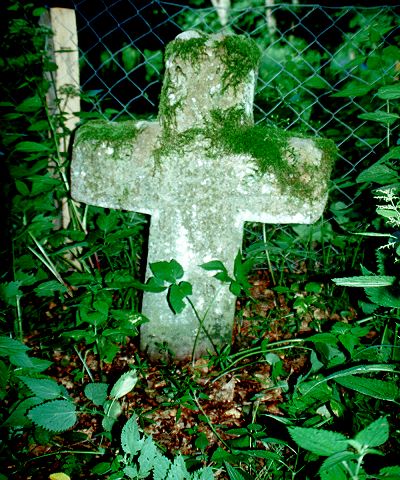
198	196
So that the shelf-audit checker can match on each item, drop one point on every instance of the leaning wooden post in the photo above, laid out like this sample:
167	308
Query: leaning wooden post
63	95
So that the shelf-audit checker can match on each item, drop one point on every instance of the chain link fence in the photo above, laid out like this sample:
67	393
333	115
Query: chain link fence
320	68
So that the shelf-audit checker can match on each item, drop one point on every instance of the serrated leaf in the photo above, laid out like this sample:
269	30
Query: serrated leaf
130	437
10	346
167	271
161	466
18	417
131	472
383	297
147	457
178	470
371	386
96	392
376	434
365	281
55	416
378	173
43	388
124	384
205	473
319	442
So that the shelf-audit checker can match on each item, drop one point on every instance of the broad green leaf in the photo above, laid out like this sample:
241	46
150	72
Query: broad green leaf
43	388
365	281
161	466
107	222
31	147
176	294
119	279
336	472
381	117
318	441
389	92
9	291
372	387
18	416
378	173
49	288
10	346
55	416
168	271
376	434
383	297
205	473
213	265
389	473
130	58
96	392
30	104
178	470
353	89
112	410
130	437
124	384
147	457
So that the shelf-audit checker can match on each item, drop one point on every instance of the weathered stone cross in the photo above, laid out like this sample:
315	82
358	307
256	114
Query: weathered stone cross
197	172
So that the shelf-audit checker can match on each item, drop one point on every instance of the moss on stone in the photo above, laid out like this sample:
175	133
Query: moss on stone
231	132
241	55
190	49
114	133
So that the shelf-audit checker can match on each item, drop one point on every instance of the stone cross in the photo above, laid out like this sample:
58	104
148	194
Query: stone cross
200	171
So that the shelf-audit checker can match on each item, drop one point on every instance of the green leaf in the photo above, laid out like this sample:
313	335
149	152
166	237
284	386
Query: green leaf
124	384
130	437
10	346
43	388
319	442
9	292
147	457
383	297
18	416
389	473
213	265
233	473
178	470
30	104
381	117
161	466
370	386
49	288
112	411
376	434
97	393
55	416
365	281
378	173
336	472
107	222
176	294
389	92
167	271
31	147
353	89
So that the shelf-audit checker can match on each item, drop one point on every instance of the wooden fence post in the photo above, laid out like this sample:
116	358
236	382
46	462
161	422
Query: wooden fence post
63	95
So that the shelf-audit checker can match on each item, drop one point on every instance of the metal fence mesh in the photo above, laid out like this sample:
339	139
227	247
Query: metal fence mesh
309	54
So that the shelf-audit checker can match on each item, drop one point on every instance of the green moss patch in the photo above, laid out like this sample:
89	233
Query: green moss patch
231	132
